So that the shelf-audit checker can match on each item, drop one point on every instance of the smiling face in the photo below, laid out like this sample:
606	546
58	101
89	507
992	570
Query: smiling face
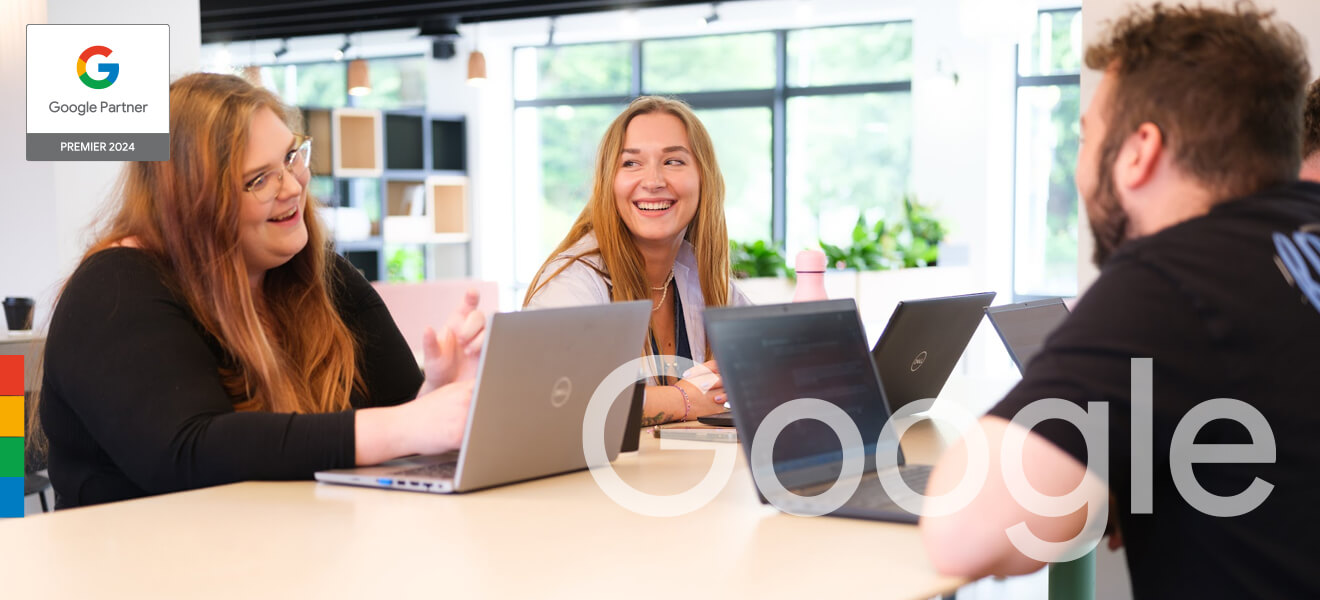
271	225
658	185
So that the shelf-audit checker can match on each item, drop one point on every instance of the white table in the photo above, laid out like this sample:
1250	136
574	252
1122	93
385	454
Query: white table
554	537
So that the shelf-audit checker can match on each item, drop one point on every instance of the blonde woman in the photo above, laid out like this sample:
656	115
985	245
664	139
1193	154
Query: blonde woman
209	336
652	229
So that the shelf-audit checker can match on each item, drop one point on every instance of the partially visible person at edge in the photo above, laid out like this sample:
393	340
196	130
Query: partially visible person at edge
209	335
1199	336
1311	135
652	229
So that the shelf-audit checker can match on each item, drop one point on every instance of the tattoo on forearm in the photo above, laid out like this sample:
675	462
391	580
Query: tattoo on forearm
656	419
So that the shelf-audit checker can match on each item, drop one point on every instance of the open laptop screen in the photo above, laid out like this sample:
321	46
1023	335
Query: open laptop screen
770	355
923	342
1024	326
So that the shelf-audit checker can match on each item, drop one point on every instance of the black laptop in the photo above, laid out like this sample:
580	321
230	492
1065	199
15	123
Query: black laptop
1024	326
919	348
771	355
922	343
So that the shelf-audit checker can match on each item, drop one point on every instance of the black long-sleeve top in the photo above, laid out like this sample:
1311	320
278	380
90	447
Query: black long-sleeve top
132	401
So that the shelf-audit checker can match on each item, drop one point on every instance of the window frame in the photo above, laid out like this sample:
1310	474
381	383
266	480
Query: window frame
1029	81
351	101
774	98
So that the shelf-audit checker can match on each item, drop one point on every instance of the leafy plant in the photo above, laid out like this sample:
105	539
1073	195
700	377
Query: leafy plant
874	248
406	264
911	243
757	259
924	234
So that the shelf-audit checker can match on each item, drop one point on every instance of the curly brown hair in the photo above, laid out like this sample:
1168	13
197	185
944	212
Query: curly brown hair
1311	143
1225	87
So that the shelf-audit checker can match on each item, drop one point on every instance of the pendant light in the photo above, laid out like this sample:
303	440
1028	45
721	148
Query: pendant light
359	78
476	63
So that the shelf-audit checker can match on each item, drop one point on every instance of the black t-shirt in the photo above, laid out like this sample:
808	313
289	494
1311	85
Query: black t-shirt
1223	313
132	401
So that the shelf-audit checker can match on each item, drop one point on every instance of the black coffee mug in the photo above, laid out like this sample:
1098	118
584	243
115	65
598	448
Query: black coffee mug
18	313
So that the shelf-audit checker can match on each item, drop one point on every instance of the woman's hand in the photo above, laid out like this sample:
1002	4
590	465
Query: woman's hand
705	389
438	419
453	353
433	423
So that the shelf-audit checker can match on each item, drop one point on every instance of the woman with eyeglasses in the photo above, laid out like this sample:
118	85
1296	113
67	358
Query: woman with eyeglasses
209	335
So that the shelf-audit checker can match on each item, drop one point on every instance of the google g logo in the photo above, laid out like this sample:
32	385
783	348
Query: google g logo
111	70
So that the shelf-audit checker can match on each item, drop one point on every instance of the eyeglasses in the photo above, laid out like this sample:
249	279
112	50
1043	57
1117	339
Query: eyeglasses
268	185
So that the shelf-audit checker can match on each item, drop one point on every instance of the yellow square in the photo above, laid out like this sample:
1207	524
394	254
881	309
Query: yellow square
11	416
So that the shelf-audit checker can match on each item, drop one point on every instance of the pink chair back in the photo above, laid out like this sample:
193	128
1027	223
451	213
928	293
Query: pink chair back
415	306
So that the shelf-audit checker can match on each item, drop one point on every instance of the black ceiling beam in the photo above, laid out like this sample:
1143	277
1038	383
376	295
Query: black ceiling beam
241	20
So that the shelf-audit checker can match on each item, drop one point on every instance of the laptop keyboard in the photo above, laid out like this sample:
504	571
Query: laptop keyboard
439	471
871	494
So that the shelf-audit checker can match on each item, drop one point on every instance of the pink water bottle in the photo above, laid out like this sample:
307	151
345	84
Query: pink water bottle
810	268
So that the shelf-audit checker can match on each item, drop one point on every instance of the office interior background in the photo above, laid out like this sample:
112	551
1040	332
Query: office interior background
967	106
821	111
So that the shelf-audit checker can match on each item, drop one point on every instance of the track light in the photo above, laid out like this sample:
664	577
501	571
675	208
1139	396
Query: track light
712	17
342	51
283	49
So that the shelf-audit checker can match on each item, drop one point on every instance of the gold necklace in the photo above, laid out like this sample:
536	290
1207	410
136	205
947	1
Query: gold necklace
664	288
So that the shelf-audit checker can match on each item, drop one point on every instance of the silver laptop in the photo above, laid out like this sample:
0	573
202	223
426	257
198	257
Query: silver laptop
1024	326
538	372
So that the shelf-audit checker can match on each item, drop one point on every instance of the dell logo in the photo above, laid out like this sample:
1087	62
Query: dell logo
918	361
560	393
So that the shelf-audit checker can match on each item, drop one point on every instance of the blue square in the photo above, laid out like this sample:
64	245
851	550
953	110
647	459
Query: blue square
11	497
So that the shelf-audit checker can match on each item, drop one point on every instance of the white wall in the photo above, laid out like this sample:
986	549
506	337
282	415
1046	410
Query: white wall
47	207
27	208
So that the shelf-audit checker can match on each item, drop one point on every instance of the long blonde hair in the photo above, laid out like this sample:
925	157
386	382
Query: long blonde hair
289	350
622	262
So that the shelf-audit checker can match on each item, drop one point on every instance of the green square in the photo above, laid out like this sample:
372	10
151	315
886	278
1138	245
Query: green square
11	457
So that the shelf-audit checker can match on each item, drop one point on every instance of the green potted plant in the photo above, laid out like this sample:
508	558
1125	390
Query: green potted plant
913	242
757	259
873	248
920	247
761	271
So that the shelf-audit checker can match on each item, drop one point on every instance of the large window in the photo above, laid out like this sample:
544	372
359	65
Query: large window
1048	136
811	127
396	82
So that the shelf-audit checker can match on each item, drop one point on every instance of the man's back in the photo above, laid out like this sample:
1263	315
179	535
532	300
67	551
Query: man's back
1226	306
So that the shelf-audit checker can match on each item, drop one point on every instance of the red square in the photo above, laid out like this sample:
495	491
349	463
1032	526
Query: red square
11	375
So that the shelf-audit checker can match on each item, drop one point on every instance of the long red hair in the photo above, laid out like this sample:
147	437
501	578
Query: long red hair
289	349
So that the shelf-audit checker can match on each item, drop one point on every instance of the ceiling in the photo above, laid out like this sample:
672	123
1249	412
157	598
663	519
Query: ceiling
239	20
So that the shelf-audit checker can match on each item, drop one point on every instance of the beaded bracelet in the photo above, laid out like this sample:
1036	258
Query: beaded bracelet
687	404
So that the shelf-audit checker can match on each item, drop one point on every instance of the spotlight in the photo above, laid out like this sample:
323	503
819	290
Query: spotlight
283	49
712	17
443	49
